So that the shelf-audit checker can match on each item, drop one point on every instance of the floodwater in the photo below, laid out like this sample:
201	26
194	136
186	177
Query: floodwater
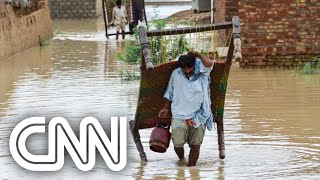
272	127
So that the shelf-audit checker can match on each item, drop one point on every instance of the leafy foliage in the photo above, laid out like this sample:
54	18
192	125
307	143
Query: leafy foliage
132	54
312	67
163	49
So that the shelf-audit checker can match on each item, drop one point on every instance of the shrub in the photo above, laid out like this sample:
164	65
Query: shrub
132	54
312	67
161	50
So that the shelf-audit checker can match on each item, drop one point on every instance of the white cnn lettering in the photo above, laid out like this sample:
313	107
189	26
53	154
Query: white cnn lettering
61	136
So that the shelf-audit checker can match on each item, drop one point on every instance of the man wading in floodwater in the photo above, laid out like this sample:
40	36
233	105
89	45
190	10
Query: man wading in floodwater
119	18
188	93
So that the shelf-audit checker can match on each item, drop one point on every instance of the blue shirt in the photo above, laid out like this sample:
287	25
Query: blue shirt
191	97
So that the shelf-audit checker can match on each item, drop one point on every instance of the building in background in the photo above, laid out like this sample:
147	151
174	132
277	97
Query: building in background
72	9
275	33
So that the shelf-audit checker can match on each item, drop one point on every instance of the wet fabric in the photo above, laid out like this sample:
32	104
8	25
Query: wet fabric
191	97
121	27
119	15
181	133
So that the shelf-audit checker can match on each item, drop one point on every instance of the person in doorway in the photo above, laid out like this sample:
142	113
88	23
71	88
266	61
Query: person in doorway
137	15
188	94
119	18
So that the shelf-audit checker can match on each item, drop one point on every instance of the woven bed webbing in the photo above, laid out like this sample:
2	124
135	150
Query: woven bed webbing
153	84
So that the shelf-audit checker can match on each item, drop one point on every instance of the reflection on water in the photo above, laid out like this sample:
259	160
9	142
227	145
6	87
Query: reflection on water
271	116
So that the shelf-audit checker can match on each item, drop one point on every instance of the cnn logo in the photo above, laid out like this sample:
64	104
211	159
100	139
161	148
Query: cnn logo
61	137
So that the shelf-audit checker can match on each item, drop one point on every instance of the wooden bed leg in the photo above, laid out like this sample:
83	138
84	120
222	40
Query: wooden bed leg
220	132
136	138
145	48
237	38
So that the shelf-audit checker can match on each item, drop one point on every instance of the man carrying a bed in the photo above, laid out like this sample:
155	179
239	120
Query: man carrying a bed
188	94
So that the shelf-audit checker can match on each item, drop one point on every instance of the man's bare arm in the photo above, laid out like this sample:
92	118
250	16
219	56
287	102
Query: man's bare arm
112	18
164	111
206	61
166	104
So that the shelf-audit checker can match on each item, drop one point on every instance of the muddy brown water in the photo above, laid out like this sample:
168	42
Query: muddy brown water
272	127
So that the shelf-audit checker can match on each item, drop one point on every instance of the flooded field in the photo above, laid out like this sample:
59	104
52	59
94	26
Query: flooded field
272	127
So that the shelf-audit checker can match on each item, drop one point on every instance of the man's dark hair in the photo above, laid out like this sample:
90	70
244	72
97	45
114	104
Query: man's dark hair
118	2
186	61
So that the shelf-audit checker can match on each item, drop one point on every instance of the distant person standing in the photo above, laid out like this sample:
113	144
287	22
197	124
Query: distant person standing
119	18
